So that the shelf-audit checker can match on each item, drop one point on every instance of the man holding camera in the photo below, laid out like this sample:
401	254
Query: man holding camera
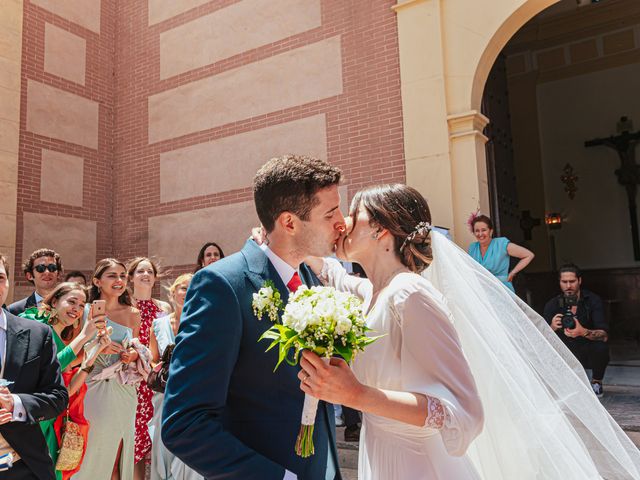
577	316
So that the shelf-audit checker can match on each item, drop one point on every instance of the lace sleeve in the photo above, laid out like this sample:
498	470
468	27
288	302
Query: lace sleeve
434	365
436	413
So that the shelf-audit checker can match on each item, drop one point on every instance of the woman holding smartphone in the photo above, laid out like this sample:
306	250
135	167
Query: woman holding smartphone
110	405
62	310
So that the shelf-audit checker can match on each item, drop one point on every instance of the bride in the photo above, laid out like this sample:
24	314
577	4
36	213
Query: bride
467	381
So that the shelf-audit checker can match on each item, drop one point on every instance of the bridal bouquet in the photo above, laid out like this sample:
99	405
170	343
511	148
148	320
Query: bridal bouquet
320	319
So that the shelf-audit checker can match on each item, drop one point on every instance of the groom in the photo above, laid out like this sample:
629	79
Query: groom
226	413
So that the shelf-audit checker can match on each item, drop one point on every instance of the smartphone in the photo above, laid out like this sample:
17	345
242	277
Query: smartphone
99	307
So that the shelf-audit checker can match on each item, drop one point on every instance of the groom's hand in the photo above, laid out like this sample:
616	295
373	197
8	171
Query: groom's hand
333	382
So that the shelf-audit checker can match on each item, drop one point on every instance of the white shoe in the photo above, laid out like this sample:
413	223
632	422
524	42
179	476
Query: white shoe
597	389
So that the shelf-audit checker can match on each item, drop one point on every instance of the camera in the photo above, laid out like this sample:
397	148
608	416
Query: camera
567	302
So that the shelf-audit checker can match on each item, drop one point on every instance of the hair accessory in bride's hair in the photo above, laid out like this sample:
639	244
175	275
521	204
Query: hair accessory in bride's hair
422	229
472	219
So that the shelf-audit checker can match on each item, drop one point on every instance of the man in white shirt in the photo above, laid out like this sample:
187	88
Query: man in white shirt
227	414
35	392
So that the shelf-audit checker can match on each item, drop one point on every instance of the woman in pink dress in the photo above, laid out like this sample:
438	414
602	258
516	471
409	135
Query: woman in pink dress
143	273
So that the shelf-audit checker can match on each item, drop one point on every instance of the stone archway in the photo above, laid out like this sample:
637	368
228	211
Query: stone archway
447	49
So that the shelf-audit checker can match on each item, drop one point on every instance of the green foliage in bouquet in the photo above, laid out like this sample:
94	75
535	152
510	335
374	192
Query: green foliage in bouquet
320	319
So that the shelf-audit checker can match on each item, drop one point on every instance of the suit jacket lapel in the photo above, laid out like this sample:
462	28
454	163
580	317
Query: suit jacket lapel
17	347
308	277
260	269
31	301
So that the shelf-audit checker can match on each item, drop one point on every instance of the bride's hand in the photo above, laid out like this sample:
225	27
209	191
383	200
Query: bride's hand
333	382
315	264
259	235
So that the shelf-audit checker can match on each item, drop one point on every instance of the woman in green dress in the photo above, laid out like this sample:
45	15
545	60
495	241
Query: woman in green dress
62	310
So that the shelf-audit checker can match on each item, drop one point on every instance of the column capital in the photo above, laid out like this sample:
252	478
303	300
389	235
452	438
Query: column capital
467	123
402	4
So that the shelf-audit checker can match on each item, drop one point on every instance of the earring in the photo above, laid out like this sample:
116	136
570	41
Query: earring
375	236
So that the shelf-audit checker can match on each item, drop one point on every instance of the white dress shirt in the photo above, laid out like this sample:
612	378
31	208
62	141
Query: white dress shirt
285	271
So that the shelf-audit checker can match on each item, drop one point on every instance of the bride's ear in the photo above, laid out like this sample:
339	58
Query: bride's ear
380	233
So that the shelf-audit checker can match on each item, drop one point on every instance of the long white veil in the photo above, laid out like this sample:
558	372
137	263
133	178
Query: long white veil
542	419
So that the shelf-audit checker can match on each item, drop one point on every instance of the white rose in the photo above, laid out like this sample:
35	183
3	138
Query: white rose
343	326
259	301
296	316
325	307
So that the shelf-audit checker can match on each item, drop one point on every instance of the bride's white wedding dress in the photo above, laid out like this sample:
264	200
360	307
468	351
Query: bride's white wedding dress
420	353
458	335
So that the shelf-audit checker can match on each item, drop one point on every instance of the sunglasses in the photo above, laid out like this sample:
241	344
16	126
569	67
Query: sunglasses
52	267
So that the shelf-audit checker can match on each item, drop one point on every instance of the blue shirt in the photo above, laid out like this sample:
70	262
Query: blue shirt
495	259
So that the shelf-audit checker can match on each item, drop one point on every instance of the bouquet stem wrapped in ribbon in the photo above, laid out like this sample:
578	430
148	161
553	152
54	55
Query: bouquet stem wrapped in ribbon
320	319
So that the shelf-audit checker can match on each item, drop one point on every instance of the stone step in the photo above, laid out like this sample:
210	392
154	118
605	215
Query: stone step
634	436
347	454
349	473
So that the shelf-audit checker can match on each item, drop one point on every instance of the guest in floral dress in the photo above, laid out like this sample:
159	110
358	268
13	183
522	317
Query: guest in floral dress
143	273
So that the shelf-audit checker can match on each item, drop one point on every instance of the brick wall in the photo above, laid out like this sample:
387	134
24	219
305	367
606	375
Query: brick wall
364	123
97	181
121	181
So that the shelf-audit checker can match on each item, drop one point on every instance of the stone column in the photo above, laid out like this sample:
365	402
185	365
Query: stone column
422	76
10	72
469	170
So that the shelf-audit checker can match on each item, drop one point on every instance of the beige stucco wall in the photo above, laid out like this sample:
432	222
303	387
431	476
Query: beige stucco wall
447	48
10	67
265	86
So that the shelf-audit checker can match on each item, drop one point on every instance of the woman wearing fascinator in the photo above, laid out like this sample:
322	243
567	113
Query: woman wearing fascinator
494	253
466	381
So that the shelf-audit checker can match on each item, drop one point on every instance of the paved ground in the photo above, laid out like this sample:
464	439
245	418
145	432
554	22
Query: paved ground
622	387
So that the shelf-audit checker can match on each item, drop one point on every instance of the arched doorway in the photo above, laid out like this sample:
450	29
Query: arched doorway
559	149
446	52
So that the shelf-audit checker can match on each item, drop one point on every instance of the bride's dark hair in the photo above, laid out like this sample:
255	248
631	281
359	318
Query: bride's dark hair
404	212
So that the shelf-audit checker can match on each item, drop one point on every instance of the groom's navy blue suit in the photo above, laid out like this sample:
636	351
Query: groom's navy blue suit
226	413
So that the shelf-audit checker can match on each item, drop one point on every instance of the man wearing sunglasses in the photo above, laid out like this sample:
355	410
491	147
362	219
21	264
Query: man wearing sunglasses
43	269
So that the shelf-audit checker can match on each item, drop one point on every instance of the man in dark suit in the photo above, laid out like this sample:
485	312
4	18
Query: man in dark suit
43	269
227	414
36	392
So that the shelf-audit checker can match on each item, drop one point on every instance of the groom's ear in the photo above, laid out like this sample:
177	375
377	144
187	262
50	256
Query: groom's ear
286	222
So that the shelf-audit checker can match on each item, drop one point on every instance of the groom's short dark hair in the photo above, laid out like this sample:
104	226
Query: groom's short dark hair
289	184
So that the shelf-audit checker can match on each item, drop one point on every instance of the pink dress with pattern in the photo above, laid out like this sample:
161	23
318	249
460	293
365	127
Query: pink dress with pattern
148	312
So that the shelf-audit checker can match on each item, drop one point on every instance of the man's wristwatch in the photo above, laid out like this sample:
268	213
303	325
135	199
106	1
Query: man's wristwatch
88	369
